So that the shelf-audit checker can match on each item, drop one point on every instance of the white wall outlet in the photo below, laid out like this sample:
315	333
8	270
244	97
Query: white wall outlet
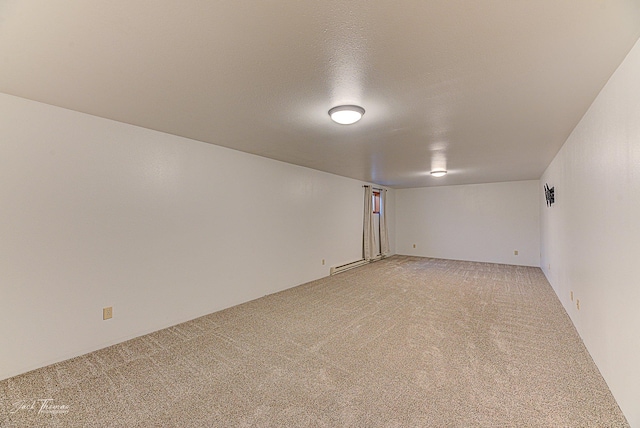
515	252
107	313
322	262
572	296
578	304
414	245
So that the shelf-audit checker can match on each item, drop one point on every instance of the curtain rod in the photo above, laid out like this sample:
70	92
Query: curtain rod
376	188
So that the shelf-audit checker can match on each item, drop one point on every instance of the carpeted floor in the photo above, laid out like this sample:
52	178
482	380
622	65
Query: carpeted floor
404	342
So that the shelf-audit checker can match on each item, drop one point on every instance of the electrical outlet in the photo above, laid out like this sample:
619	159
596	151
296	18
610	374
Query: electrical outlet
572	296
578	304
322	262
107	313
414	245
515	252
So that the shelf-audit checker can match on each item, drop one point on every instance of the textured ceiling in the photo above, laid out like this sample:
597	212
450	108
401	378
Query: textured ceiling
488	89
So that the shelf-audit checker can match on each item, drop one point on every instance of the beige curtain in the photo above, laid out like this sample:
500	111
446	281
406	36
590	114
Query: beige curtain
369	237
384	234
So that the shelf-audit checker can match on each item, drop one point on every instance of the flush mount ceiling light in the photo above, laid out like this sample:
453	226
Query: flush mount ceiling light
346	115
439	173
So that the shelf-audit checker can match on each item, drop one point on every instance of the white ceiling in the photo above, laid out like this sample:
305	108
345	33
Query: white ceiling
489	89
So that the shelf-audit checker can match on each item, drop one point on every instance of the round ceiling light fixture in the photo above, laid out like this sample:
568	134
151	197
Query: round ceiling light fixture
439	173
346	115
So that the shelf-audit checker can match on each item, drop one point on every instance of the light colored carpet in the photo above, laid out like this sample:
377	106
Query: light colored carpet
404	342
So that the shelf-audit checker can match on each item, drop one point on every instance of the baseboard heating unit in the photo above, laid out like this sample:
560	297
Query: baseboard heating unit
337	269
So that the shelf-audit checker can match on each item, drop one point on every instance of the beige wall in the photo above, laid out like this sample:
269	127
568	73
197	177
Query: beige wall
478	222
97	213
591	235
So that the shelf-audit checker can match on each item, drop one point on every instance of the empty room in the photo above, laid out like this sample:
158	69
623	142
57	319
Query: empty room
320	214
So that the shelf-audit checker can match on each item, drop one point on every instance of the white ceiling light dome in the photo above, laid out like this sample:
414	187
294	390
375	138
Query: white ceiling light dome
439	173
346	115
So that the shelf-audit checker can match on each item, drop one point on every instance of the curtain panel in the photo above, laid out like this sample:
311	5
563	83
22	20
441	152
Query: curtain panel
384	233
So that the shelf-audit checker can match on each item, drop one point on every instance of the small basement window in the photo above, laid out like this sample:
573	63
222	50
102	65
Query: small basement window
376	202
